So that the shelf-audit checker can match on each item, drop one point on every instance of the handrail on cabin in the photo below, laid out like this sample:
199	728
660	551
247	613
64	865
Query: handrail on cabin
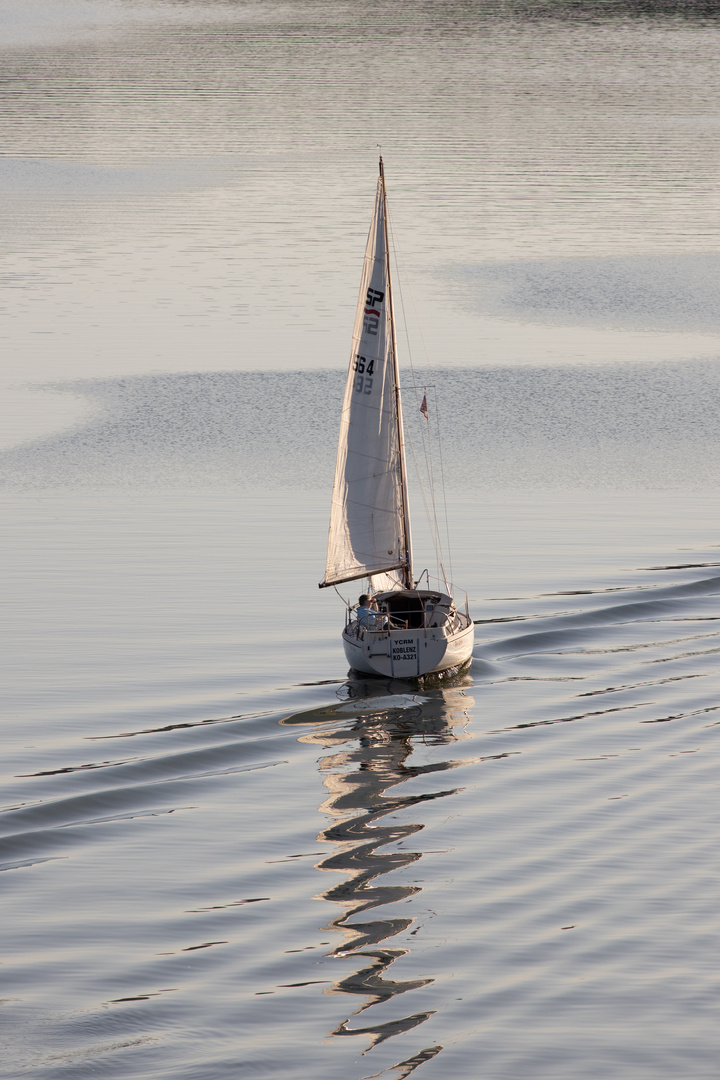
394	623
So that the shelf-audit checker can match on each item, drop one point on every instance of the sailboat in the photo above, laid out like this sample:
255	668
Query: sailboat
408	632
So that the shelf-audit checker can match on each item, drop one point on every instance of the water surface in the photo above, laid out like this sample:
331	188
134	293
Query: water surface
221	856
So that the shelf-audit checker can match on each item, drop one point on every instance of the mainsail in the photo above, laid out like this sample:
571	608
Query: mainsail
369	529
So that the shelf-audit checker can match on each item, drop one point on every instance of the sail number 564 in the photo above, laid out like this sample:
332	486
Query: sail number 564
363	378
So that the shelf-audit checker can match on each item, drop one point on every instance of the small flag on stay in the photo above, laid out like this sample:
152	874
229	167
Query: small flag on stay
423	408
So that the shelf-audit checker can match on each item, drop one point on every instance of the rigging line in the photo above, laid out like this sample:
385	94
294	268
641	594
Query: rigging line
429	506
423	492
398	254
442	481
431	516
433	519
346	602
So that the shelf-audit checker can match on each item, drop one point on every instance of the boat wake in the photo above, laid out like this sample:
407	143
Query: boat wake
420	877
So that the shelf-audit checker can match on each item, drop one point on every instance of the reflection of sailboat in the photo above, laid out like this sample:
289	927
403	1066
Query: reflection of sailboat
421	632
383	732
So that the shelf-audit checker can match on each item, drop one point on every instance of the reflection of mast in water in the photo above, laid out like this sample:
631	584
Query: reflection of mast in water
358	780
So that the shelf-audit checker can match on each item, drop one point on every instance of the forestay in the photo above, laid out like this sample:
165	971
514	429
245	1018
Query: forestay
368	530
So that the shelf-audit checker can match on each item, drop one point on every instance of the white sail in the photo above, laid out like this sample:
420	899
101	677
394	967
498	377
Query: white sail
368	531
393	579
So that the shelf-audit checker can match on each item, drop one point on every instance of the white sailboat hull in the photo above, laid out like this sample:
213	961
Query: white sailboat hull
409	654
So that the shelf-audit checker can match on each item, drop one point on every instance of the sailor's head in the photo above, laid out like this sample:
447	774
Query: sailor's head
364	600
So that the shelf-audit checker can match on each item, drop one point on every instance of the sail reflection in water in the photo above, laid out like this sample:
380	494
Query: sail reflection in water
376	738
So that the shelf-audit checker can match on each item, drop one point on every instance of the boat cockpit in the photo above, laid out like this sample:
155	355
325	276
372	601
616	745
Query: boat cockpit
413	609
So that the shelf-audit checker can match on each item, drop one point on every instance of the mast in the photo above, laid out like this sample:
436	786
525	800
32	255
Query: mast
407	569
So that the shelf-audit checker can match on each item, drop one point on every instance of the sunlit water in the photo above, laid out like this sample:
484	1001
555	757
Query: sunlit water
221	857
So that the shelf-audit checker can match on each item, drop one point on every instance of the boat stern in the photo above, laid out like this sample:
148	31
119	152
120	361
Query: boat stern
408	654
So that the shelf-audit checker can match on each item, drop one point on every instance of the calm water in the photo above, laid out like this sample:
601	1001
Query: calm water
221	858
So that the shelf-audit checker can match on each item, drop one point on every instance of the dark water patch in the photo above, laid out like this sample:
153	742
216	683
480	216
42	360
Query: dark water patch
231	904
215	760
684	655
80	768
573	719
181	726
572	640
643	685
583	634
303	855
540	678
143	997
205	945
617	426
710	584
20	806
326	682
82	809
657	292
682	715
683	566
109	818
22	864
